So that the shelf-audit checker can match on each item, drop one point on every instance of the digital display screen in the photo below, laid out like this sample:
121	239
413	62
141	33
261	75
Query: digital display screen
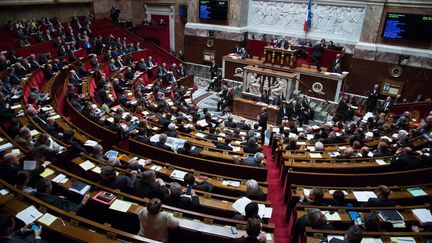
413	27
213	9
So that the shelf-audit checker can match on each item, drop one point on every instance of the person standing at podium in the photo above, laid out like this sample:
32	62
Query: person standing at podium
262	122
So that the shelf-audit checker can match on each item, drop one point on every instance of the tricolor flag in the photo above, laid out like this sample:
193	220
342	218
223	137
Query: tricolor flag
308	20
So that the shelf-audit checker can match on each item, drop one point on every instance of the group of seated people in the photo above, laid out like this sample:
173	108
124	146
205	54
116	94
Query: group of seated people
316	219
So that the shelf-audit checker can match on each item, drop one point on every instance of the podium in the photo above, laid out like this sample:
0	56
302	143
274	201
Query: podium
280	56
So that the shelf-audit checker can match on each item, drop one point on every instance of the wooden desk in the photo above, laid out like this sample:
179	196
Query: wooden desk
280	56
251	109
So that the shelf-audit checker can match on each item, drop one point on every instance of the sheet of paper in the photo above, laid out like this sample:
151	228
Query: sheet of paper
309	136
87	165
371	240
16	151
29	164
381	162
34	133
315	155
268	236
417	192
363	196
5	146
402	239
301	143
310	148
47	172
330	237
29	215
97	169
423	215
240	204
47	219
264	212
59	178
4	192
235	148
332	216
90	143
178	174
306	191
120	205
200	135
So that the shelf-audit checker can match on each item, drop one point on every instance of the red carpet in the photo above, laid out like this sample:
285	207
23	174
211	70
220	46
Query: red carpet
275	193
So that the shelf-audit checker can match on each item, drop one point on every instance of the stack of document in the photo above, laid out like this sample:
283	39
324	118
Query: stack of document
315	155
156	167
334	154
423	215
120	205
29	215
178	175
381	162
87	165
363	196
231	183
202	123
392	216
80	187
60	179
90	143
264	212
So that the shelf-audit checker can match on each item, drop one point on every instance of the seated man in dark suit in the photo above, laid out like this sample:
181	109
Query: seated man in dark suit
176	198
43	192
211	135
252	146
253	233
255	160
405	159
11	166
230	123
251	211
315	198
254	191
315	219
171	132
197	184
150	187
225	145
112	180
25	234
354	234
165	121
161	143
382	200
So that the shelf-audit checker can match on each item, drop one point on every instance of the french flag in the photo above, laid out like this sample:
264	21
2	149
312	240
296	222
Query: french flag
308	20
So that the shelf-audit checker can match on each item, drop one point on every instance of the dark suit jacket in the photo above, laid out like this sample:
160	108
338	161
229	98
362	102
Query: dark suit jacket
263	118
378	202
230	124
245	239
406	162
252	149
19	237
223	146
9	172
146	190
64	204
189	203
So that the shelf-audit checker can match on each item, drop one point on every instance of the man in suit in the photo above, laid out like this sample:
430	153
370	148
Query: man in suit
382	200
161	143
230	123
76	81
405	159
337	60
176	197
213	70
43	192
388	103
315	219
343	110
253	233
150	187
372	98
23	235
317	51
254	160
315	198
252	146
354	234
226	144
11	166
262	122
112	180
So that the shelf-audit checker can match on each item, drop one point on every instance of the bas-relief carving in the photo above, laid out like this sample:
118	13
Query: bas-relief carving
413	61
255	84
217	34
329	20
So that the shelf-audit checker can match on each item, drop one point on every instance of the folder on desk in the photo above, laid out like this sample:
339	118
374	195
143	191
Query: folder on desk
423	215
417	192
111	153
353	215
29	164
80	187
391	216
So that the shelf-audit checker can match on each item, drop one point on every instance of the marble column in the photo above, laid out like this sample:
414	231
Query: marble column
193	11
371	22
238	13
